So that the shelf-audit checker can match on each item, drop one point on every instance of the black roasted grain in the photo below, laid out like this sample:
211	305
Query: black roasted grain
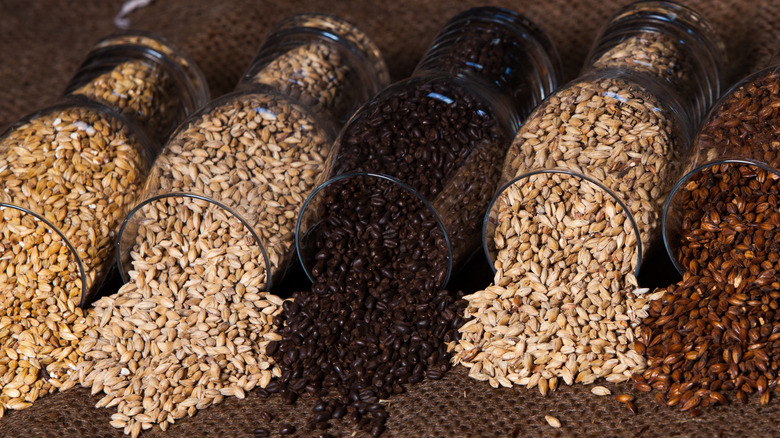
376	319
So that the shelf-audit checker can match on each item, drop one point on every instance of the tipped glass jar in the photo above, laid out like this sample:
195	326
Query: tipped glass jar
721	219
589	170
224	195
70	172
411	174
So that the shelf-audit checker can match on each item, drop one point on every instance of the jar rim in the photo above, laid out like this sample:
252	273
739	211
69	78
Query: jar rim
697	40
487	221
529	30
676	14
676	190
340	30
538	46
126	223
72	250
163	51
299	224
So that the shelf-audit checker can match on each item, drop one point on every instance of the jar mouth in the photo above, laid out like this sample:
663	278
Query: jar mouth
49	226
300	232
671	233
129	230
489	223
677	13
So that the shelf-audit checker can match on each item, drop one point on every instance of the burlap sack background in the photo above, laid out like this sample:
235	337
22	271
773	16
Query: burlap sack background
43	41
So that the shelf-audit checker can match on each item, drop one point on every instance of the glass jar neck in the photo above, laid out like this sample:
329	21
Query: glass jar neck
144	77
322	61
669	43
499	47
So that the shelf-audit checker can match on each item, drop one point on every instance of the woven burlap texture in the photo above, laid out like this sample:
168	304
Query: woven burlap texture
42	43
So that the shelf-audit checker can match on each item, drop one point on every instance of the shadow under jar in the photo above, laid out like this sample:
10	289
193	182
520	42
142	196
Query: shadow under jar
722	218
585	179
411	174
246	162
70	172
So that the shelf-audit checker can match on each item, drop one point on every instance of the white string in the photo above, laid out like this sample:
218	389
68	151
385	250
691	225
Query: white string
121	21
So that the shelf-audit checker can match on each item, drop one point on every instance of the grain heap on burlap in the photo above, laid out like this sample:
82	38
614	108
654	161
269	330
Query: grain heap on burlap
191	325
556	311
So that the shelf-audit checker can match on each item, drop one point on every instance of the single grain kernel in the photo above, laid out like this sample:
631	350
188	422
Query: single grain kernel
552	421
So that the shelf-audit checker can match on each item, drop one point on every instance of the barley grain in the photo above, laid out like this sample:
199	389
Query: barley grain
314	74
552	421
600	390
80	169
656	53
616	133
140	89
181	334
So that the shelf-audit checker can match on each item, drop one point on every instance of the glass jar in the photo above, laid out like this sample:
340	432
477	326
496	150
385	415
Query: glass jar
725	204
250	158
411	174
585	179
70	173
